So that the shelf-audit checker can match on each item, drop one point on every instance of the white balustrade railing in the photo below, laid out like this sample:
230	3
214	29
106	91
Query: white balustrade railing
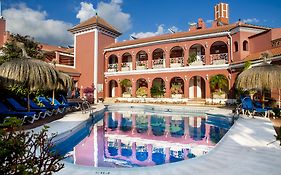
126	66
158	63
142	64
221	58
176	62
112	67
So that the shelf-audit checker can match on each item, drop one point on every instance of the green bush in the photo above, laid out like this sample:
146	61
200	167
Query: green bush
157	90
142	91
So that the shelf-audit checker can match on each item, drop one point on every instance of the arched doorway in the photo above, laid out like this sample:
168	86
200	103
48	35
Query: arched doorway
141	60
158	88
176	57
112	63
219	53
126	62
141	87
197	87
177	87
158	58
196	55
113	88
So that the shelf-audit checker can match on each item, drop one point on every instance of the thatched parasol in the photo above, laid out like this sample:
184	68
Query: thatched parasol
65	83
264	76
32	74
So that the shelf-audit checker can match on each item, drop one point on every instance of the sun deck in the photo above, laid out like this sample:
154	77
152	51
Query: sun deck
246	149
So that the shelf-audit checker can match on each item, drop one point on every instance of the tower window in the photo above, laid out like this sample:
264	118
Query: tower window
245	45
235	46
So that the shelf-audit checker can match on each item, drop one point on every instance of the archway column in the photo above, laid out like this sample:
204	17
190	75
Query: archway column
207	56
149	61
119	90
186	88
119	63
168	89
167	155
149	85
207	89
107	87
134	62
186	55
167	59
134	88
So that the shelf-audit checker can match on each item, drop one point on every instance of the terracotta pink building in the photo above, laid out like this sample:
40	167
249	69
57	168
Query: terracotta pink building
188	58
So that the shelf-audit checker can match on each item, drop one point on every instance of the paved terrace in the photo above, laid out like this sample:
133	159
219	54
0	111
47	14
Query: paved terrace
245	149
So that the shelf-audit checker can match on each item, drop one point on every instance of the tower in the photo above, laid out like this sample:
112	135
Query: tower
221	13
90	39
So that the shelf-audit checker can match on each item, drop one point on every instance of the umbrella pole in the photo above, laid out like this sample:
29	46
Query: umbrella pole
279	97
28	103
53	101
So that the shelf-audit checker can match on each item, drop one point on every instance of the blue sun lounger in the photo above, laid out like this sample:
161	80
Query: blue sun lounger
249	108
24	116
48	104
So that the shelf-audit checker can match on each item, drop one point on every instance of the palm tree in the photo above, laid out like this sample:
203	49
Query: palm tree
218	82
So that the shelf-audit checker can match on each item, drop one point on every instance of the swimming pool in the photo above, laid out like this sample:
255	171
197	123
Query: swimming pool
138	136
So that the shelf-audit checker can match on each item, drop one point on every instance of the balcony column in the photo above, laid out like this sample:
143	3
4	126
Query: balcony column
105	120
134	151
207	56
119	118
167	155
149	151
167	59
167	87
134	62
134	88
185	58
119	63
149	60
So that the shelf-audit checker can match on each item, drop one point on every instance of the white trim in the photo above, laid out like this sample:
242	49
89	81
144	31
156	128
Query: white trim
246	29
84	32
96	54
169	70
66	54
169	40
75	51
62	65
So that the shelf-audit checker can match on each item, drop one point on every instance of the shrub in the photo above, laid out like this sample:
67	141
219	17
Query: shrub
157	90
24	152
142	91
176	88
192	58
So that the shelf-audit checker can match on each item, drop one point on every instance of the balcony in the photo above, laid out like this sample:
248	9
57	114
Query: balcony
221	58
112	67
158	63
176	62
199	61
141	65
127	66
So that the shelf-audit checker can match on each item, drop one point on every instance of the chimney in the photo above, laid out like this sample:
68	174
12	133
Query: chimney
192	26
221	13
200	24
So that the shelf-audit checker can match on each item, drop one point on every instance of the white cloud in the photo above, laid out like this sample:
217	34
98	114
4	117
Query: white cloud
111	12
209	21
160	30
26	21
251	20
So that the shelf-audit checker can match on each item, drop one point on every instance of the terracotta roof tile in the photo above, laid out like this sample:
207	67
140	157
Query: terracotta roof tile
68	70
258	55
183	34
96	20
51	48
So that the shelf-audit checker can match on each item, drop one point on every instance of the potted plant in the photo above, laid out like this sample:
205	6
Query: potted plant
142	92
176	90
219	86
157	90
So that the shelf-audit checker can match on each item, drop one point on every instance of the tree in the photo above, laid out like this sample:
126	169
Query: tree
11	49
25	152
126	84
218	82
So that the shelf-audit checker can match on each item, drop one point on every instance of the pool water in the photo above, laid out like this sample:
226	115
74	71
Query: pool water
138	139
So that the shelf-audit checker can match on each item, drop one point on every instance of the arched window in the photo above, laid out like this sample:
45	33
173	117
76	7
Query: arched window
245	45
235	46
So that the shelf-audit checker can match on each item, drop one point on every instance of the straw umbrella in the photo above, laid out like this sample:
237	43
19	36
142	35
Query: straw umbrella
32	74
65	82
264	76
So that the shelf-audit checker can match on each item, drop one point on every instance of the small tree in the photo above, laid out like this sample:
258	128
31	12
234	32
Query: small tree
192	58
11	49
24	152
126	84
218	83
176	88
142	91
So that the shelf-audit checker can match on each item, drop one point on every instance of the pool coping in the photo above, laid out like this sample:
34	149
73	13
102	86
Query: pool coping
225	158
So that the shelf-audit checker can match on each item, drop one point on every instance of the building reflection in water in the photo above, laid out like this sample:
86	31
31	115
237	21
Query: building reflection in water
131	140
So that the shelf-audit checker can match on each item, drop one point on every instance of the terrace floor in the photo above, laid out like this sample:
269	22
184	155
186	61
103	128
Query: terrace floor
247	148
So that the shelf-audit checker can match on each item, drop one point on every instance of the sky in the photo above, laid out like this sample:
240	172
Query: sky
48	20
